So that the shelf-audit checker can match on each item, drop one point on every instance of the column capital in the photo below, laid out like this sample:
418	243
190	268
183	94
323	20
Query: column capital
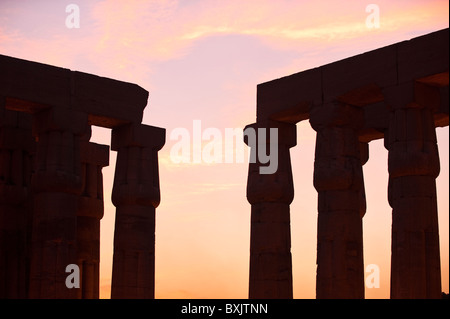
277	187
94	153
418	94
411	141
287	132
15	130
58	133
434	97
93	158
16	144
136	180
338	159
60	119
336	114
364	152
139	135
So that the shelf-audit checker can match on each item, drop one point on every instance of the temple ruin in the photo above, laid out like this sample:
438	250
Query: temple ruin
51	190
398	93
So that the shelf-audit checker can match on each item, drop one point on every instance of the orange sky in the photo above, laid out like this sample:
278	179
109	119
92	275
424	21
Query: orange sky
201	60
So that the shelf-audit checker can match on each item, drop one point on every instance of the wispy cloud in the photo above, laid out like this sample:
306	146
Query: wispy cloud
117	37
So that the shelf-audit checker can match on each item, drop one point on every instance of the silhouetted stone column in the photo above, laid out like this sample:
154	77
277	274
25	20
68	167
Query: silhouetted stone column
57	185
270	196
16	146
136	195
413	163
90	211
338	178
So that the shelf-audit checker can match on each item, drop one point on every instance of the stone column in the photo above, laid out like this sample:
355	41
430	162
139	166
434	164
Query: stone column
16	148
57	185
270	196
90	211
413	163
136	195
338	179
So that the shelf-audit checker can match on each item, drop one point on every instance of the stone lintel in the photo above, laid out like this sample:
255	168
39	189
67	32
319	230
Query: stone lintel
15	130
386	75
361	74
35	82
295	91
31	87
423	56
108	102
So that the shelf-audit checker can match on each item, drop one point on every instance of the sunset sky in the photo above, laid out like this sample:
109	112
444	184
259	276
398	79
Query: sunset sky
201	60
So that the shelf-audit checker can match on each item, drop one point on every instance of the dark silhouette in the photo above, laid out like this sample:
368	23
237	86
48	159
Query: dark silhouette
398	93
51	185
